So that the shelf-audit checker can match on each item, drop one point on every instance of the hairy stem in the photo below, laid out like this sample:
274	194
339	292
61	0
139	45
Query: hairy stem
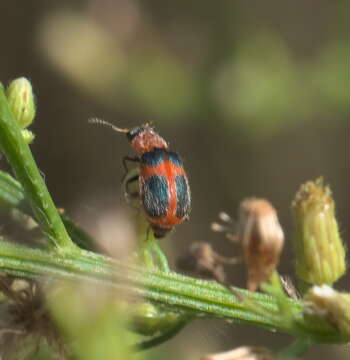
21	159
200	298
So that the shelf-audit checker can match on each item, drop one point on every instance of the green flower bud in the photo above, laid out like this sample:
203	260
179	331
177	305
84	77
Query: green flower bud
146	319
21	101
28	136
320	253
330	305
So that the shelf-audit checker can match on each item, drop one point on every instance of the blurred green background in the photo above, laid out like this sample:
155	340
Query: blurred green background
255	95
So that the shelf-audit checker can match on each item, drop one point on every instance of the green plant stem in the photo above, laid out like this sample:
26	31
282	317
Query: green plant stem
162	261
296	349
21	159
78	235
12	196
198	297
201	297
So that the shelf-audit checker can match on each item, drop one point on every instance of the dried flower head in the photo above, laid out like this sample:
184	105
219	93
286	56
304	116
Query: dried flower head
226	226
202	260
25	320
242	353
261	238
333	306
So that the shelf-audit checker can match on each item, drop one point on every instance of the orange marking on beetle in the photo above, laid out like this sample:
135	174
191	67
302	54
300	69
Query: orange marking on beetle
169	171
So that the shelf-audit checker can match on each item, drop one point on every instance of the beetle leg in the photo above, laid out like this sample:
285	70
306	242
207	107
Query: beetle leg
128	183
148	232
131	159
125	160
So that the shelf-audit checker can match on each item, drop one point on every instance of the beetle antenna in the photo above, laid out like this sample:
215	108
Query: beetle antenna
106	123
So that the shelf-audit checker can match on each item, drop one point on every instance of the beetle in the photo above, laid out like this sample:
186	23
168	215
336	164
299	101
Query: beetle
163	184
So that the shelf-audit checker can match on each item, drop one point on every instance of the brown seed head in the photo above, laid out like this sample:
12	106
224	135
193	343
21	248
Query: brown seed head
325	303
261	237
202	260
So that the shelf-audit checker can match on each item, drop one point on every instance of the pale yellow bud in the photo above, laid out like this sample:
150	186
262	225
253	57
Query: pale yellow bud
21	101
320	253
28	136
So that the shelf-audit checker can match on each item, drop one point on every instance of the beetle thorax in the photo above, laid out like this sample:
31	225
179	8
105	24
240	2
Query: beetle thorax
148	140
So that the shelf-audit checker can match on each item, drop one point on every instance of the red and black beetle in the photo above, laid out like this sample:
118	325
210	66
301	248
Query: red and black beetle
163	184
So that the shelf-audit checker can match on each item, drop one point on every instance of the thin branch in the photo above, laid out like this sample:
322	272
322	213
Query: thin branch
21	159
200	298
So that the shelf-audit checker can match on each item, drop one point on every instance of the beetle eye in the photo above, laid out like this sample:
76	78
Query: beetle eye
134	132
